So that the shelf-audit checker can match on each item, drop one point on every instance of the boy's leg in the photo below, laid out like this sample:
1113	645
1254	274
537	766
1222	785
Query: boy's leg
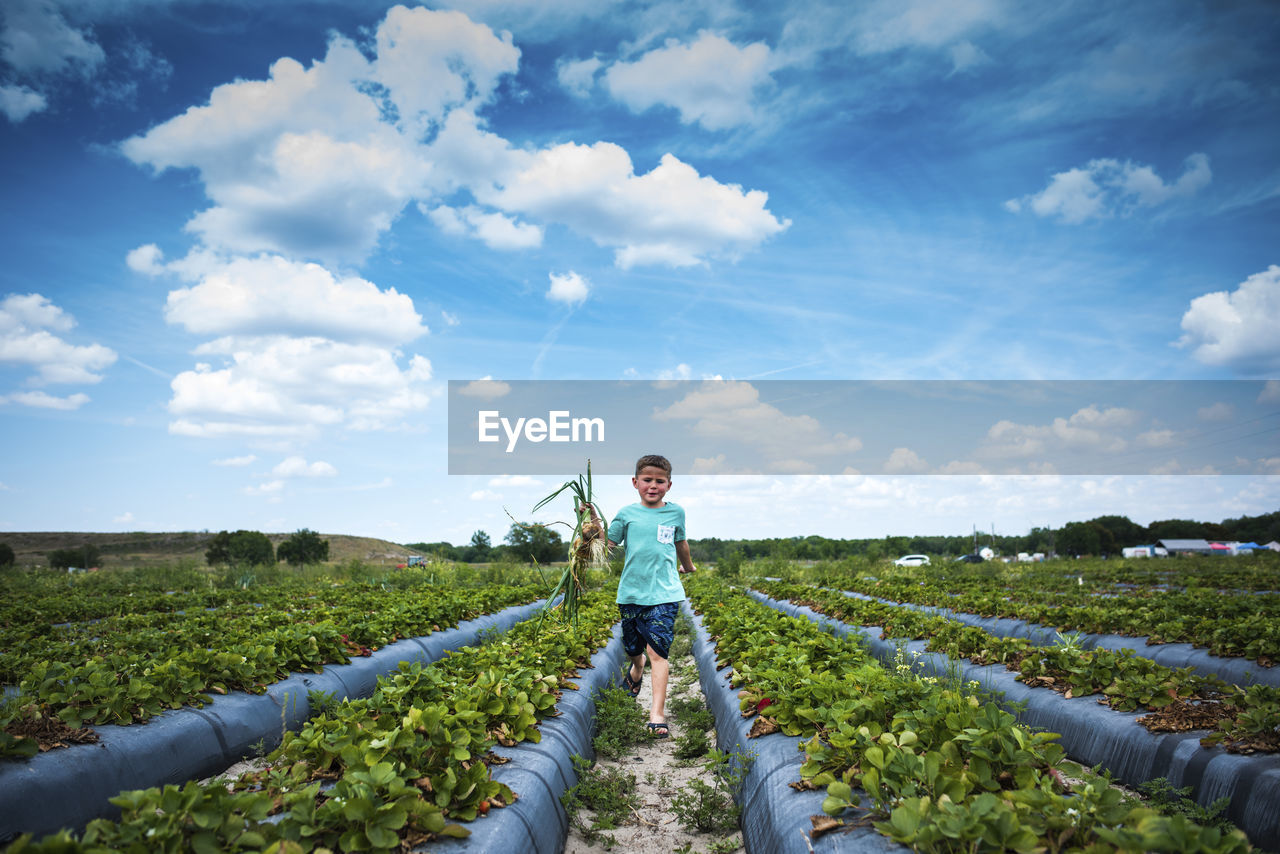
637	666
660	630
659	669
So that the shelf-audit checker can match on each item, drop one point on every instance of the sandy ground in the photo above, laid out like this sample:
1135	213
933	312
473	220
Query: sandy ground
659	775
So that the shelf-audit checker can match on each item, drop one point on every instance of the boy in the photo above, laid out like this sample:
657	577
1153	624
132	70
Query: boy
650	592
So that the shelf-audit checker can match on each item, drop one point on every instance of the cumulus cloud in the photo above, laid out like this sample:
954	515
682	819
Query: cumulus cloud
669	216
578	76
1107	188
905	461
18	102
124	518
299	467
269	488
1237	329
147	259
569	288
318	161
496	230
277	386
486	388
31	330
1089	429
272	295
710	81
732	411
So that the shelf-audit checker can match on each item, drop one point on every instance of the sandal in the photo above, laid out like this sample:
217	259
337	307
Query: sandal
659	730
631	685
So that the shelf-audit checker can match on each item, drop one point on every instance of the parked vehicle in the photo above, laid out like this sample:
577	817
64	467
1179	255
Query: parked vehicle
970	559
912	560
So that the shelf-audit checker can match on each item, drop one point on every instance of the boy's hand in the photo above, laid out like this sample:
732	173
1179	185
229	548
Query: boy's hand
684	571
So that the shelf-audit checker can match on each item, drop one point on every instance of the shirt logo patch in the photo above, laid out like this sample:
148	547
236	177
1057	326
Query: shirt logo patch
666	534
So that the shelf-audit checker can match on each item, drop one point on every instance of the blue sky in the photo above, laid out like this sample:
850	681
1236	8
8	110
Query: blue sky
247	244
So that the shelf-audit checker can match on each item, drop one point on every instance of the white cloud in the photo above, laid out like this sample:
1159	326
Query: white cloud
43	400
449	319
1216	412
733	411
905	461
268	488
1089	429
670	216
271	295
486	388
711	80
18	102
1237	329
1107	188
276	386
147	259
569	288
27	326
235	462
1155	439
485	495
319	161
124	518
37	39
578	76
496	230
299	467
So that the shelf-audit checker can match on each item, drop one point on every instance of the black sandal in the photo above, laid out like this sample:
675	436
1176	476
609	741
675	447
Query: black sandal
632	685
659	730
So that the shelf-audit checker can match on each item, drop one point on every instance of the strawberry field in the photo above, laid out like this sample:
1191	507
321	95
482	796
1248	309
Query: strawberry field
874	722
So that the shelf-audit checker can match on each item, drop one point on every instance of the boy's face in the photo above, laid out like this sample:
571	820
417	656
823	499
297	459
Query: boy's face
652	483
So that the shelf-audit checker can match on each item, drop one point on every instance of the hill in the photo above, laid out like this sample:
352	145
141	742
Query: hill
140	548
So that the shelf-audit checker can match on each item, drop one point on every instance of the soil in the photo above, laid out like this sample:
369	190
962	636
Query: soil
654	828
50	732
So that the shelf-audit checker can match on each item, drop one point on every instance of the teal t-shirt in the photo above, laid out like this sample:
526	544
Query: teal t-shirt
650	573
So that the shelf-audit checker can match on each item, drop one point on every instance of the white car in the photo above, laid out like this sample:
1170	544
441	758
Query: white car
912	560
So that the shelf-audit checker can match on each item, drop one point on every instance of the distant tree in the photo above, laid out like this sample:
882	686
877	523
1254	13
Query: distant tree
1124	531
80	557
303	547
250	548
242	548
219	551
7	557
482	544
535	542
1178	529
1078	538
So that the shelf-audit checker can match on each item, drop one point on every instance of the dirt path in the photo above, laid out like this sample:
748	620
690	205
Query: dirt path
662	780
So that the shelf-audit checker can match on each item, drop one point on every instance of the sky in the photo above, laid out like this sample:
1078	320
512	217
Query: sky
247	246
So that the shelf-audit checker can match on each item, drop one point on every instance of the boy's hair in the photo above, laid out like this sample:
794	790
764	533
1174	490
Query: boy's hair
655	461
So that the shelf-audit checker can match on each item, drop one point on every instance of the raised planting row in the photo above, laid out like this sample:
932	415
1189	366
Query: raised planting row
1244	720
396	770
1227	624
1095	735
922	761
128	668
1237	671
190	743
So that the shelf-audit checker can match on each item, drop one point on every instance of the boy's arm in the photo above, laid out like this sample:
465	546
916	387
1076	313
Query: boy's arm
682	553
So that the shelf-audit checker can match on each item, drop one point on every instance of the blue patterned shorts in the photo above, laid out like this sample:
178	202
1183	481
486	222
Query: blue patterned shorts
651	625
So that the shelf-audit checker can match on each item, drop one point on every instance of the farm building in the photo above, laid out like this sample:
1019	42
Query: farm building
1187	547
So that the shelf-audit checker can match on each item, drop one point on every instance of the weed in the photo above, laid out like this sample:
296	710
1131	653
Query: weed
691	744
322	703
1173	801
708	808
619	723
608	792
